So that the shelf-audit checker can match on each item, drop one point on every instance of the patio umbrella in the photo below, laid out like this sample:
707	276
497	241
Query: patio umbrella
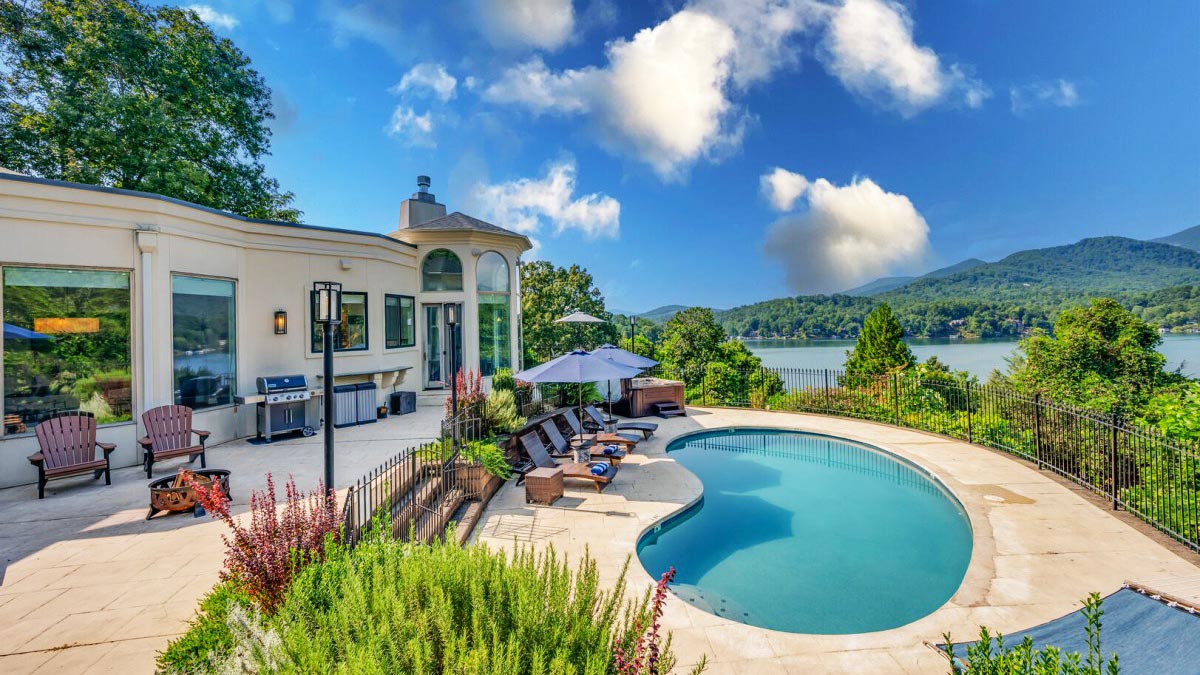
577	367
623	357
579	317
12	332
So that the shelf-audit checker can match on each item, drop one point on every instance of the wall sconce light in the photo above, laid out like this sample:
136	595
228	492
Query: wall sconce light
280	322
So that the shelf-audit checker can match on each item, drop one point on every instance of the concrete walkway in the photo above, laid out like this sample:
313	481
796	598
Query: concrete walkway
1039	548
87	585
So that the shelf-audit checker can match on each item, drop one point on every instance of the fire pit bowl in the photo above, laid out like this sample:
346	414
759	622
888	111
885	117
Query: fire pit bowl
170	494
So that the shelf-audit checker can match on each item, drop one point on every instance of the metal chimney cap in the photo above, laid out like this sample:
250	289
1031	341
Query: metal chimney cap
423	182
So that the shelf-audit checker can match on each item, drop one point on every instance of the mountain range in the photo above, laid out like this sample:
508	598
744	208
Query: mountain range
1158	279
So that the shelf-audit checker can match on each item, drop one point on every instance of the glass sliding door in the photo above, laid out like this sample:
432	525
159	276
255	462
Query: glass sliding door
438	361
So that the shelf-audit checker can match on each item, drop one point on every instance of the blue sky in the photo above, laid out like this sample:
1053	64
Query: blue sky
720	152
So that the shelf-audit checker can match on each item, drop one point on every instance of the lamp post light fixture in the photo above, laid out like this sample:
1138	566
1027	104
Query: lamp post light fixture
327	311
280	322
452	324
632	333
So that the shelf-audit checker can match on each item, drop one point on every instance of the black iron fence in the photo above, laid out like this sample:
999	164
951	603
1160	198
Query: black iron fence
1136	468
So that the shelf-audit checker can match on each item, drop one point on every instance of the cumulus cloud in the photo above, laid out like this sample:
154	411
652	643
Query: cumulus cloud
869	46
668	95
1058	93
847	235
214	18
430	77
410	127
661	96
782	187
525	204
541	24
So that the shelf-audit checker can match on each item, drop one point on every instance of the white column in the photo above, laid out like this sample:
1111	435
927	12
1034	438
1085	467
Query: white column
147	242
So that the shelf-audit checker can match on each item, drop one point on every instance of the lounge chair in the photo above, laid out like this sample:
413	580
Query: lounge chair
537	452
597	423
629	441
68	448
169	434
559	447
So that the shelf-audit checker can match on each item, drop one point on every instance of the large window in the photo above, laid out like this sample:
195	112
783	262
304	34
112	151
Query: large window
399	315
351	334
441	271
203	333
66	345
493	284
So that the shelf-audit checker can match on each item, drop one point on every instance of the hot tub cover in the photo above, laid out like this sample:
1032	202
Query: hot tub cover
1151	636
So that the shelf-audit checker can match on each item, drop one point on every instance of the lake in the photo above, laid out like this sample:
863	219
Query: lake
978	357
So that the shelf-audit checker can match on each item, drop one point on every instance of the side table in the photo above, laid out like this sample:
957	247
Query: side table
544	485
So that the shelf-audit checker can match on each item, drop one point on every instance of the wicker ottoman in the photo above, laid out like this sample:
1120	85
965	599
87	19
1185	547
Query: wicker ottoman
543	486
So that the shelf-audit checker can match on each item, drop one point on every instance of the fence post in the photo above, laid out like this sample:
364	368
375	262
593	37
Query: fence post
1112	450
703	388
970	436
896	397
1037	428
827	395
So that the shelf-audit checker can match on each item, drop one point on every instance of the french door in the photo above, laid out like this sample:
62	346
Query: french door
439	363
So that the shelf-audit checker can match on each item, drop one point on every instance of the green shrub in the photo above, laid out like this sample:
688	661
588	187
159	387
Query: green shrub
208	636
389	607
490	456
989	656
502	380
502	411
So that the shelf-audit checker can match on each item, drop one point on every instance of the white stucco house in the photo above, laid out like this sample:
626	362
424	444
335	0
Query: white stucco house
115	302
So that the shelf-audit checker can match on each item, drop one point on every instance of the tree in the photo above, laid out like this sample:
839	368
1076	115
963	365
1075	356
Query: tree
880	348
1102	357
691	339
114	93
549	293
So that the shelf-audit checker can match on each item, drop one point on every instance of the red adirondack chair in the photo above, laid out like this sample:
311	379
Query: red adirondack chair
169	434
68	443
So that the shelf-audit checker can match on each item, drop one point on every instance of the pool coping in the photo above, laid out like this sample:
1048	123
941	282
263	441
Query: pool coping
1023	570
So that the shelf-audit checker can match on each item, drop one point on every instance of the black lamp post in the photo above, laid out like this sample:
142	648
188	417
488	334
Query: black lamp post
452	324
327	311
632	333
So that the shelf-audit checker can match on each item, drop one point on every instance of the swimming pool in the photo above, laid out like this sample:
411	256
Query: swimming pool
807	533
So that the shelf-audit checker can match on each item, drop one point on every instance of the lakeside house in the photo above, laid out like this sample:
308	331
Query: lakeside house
116	302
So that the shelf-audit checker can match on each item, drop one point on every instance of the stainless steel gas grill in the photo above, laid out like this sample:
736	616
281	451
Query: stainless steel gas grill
283	405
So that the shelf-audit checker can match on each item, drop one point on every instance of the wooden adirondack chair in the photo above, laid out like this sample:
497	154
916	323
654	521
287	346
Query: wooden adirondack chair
68	448
169	434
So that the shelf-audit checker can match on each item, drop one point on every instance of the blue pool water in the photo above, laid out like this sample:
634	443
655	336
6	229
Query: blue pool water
810	534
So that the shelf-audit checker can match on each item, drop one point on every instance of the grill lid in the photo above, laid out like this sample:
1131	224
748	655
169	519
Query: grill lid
277	383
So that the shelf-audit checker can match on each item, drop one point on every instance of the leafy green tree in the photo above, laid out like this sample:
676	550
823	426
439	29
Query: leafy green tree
1176	411
1102	357
691	339
549	293
115	93
880	348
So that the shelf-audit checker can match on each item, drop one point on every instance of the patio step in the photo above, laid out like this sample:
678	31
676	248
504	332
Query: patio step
669	410
431	398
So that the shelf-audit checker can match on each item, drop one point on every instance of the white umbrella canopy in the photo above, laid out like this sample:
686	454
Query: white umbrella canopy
579	317
623	357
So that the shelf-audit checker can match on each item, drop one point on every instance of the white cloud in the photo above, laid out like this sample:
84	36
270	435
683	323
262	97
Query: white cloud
541	24
214	18
525	204
849	234
376	21
869	47
766	32
661	96
428	76
410	127
782	187
1059	93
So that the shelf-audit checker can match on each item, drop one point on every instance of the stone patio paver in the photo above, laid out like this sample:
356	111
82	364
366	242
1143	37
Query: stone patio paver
88	585
1039	548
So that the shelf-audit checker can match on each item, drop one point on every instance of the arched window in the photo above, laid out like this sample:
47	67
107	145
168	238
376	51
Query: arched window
494	316
441	271
492	272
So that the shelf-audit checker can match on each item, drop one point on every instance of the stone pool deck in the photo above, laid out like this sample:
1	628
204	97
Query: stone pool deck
1040	546
87	585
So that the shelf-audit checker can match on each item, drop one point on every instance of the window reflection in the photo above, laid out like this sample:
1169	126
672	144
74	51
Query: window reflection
203	335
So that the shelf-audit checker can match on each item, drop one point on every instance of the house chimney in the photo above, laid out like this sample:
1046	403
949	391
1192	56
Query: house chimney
422	207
